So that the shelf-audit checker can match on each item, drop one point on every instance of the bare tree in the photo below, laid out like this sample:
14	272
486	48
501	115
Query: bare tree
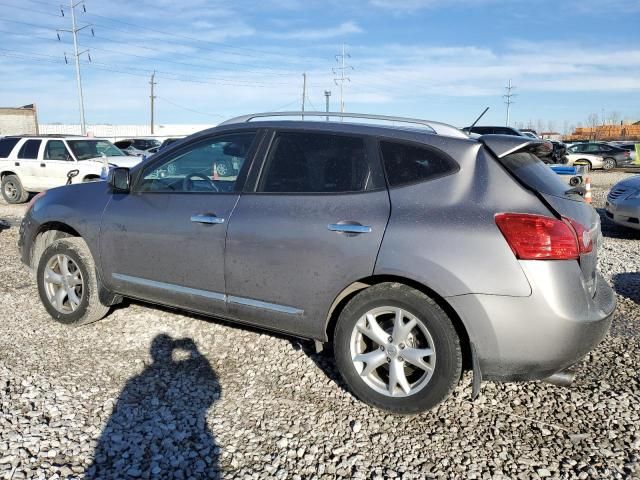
539	126
551	126
614	118
592	123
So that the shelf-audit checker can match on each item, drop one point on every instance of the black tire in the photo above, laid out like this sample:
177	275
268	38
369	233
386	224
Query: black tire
448	365
609	163
89	309
12	190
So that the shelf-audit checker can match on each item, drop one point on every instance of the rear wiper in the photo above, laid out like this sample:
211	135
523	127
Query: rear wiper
577	190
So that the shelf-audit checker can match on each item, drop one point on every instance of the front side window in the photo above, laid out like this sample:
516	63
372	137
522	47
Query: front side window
406	163
30	149
316	163
86	149
209	166
55	150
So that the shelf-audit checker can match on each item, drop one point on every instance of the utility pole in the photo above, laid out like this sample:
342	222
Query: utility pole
304	91
341	59
509	100
74	31
327	94
152	96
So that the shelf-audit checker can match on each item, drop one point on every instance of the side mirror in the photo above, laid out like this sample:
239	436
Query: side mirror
119	180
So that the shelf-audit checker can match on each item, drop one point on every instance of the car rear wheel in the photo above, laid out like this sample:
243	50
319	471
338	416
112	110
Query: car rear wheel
397	349
12	190
223	169
609	163
67	283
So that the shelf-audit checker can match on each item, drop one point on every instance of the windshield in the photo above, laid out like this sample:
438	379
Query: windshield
86	149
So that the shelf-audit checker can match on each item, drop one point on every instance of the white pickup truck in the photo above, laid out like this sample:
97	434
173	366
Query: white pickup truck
36	163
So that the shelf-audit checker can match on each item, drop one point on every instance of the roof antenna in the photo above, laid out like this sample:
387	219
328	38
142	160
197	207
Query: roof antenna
478	119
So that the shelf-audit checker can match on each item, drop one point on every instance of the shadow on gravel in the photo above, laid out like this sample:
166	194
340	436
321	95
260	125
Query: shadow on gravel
611	230
628	285
158	426
4	225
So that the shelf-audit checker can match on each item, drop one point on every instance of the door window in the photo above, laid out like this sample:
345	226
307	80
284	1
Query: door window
56	150
6	146
316	163
406	163
29	149
209	166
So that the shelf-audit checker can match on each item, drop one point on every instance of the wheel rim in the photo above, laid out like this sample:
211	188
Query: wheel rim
393	351
171	169
221	168
11	190
609	164
63	283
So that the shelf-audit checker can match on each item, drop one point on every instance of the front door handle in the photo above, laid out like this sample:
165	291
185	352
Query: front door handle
43	164
17	164
349	228
209	219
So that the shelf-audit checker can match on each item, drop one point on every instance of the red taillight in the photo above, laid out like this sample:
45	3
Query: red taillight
536	237
627	153
583	235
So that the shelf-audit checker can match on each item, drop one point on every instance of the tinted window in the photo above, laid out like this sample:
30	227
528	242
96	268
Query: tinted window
86	149
30	149
209	166
410	163
6	145
316	163
530	170
55	150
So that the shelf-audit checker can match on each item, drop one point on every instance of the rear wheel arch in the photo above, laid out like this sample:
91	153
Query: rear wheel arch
343	298
4	173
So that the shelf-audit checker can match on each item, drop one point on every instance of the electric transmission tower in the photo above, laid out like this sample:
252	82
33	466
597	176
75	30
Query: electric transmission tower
74	31
509	99
340	74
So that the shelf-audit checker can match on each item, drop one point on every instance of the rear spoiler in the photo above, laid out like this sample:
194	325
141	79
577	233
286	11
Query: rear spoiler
503	145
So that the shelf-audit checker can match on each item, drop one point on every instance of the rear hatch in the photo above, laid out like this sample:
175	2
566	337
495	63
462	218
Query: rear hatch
520	157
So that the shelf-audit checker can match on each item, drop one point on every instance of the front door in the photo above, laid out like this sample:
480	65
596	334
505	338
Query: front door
165	240
58	163
311	227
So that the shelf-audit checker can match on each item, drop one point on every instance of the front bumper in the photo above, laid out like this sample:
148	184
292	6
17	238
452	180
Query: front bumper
531	338
625	213
26	234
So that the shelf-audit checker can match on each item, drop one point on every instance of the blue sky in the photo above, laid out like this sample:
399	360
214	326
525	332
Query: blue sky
438	59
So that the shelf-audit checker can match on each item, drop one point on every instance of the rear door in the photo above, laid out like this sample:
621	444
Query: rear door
29	166
310	225
521	160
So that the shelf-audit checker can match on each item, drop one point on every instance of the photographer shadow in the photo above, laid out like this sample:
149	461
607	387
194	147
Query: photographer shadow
158	426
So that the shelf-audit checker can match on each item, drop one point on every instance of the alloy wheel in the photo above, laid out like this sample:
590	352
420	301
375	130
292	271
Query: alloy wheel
11	190
63	282
393	351
609	163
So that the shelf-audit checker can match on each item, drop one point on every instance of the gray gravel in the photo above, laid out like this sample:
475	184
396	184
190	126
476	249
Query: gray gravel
153	393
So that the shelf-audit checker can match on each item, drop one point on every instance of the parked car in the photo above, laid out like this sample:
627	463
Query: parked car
529	132
168	142
36	163
623	202
138	146
629	147
559	152
494	130
385	242
613	156
594	162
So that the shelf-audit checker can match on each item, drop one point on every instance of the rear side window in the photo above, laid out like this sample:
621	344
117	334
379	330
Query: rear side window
6	145
405	163
30	149
531	171
316	163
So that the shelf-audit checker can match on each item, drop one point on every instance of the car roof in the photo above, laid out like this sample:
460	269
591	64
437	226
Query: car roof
42	137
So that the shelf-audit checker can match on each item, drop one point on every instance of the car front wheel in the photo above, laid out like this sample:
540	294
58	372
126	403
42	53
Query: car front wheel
609	163
68	284
397	349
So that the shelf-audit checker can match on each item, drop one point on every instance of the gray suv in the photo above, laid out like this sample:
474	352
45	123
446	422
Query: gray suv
415	252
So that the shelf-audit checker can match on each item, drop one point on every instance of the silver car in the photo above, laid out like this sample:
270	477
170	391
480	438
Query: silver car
623	203
415	252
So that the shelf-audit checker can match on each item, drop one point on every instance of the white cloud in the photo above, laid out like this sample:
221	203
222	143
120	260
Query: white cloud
346	28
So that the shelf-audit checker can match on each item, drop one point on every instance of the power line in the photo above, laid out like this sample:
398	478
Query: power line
189	109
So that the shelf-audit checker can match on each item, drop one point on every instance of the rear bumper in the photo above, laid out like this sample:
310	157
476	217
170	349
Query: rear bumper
530	338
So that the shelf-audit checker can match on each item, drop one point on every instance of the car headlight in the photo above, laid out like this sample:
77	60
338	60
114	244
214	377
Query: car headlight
634	195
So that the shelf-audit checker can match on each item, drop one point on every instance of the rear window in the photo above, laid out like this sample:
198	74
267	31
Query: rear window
6	145
531	171
29	149
406	163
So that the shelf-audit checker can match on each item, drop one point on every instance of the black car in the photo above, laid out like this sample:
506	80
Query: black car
493	130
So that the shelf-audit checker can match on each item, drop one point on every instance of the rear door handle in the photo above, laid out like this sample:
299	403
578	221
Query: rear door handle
349	228
209	219
17	164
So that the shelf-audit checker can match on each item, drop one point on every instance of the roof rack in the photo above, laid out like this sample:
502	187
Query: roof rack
47	135
436	127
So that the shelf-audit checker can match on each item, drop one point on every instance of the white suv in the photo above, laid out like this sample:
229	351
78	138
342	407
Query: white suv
37	163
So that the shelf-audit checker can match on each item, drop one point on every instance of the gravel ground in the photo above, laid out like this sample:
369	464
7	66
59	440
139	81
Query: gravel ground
153	393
